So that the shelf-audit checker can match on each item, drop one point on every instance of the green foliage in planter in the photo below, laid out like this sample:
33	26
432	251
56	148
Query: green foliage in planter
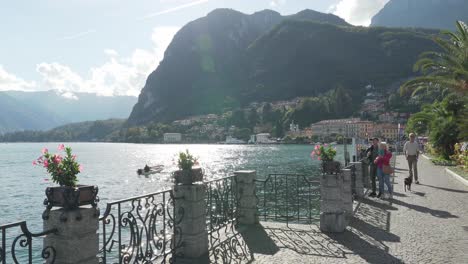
186	160
63	169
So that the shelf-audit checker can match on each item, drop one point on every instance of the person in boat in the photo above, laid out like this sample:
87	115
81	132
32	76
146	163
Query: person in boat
147	168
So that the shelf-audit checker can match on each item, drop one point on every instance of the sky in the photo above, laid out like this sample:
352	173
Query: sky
109	47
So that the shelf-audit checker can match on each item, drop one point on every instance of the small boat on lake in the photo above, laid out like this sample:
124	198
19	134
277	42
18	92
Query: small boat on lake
147	170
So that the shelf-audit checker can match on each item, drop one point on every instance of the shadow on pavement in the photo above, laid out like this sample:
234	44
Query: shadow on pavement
305	240
422	209
369	228
444	189
399	194
400	169
258	240
419	193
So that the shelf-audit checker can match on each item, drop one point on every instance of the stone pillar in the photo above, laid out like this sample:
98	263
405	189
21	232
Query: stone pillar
347	194
332	213
246	197
359	180
76	241
190	208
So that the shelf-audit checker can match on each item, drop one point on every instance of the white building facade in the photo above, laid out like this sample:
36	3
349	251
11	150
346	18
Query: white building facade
172	137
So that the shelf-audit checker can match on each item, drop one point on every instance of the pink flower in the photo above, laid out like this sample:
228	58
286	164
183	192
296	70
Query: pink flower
73	157
312	154
46	163
326	145
80	168
57	159
318	152
34	162
61	147
317	147
45	150
319	158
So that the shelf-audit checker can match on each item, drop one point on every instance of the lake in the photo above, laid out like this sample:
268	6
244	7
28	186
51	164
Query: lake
113	166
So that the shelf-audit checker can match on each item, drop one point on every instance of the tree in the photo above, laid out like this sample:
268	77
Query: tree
252	118
267	113
242	133
443	70
238	118
419	123
341	101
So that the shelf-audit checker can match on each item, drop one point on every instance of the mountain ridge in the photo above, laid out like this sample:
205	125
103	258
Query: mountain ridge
228	59
44	110
422	13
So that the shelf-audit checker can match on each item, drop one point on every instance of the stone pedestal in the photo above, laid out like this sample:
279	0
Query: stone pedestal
247	200
76	241
365	175
347	195
190	208
359	180
332	213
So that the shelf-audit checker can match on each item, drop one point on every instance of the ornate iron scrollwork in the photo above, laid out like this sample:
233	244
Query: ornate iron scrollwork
141	229
225	243
24	240
288	198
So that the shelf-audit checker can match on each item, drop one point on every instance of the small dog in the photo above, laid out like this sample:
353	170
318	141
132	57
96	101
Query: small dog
408	182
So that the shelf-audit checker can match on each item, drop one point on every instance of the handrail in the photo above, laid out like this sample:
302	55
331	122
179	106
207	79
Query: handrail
25	241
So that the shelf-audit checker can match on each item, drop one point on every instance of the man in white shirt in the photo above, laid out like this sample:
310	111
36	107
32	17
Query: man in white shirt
411	151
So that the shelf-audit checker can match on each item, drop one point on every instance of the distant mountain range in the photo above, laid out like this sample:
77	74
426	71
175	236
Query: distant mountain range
440	14
229	59
45	110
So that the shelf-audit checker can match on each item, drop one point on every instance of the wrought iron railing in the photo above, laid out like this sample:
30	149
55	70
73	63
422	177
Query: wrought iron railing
288	198
225	243
17	247
140	229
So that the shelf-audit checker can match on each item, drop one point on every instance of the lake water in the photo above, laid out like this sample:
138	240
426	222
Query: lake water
113	168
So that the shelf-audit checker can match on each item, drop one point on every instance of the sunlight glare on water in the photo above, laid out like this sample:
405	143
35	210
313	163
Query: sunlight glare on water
113	168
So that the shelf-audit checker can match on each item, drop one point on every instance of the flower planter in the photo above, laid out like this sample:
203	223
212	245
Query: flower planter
71	197
187	177
331	167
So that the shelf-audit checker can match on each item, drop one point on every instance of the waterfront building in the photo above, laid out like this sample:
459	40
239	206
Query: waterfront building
263	138
172	137
386	131
294	127
233	140
365	129
334	126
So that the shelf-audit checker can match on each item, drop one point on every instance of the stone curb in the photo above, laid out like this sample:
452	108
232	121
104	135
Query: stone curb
426	157
456	176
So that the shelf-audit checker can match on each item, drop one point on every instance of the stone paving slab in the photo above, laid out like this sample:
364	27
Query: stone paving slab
426	225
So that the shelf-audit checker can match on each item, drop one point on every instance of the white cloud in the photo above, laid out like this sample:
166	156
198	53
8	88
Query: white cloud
79	35
276	3
357	12
118	76
9	81
111	52
174	9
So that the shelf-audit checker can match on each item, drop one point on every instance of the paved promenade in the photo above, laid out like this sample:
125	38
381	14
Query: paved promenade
427	225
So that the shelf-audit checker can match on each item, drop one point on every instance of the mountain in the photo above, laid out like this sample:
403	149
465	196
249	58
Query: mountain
100	130
48	109
17	115
440	14
229	59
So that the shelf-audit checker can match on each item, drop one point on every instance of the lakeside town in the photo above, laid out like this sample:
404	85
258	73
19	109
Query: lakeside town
388	125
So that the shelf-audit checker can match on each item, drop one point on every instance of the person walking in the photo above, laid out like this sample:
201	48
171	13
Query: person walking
383	159
372	153
411	151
